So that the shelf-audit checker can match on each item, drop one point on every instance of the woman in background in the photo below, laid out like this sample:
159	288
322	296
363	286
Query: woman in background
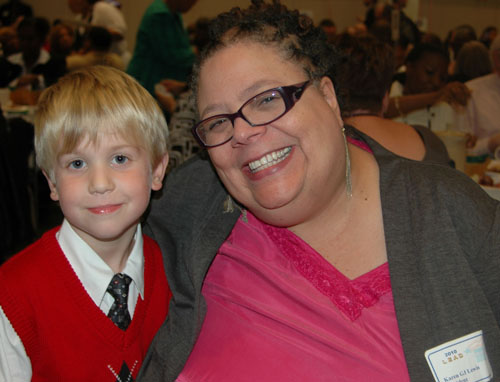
364	78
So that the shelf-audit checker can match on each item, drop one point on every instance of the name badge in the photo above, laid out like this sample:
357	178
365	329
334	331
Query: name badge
460	360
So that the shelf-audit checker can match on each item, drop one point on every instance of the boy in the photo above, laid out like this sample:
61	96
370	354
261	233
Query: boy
100	141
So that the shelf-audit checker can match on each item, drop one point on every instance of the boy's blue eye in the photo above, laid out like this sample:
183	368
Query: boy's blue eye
77	164
120	159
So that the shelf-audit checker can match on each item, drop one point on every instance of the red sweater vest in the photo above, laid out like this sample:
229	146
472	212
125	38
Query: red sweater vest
66	336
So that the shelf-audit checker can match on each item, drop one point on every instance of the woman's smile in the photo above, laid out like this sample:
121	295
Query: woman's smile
269	160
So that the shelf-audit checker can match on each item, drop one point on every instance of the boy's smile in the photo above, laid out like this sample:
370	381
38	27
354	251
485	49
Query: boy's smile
102	210
104	188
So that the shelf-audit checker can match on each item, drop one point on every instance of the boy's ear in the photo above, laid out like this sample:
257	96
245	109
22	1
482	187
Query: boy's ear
159	173
53	190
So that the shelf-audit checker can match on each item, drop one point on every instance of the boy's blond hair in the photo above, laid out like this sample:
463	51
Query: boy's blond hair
95	100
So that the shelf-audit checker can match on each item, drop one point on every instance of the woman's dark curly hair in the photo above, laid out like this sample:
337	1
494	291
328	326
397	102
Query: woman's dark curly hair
272	24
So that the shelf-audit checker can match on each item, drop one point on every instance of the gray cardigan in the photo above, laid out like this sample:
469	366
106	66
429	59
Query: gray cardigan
443	245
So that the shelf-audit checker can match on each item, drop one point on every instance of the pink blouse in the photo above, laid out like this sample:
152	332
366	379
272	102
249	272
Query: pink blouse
278	311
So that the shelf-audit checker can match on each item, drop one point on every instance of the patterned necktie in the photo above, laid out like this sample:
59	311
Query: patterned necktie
118	288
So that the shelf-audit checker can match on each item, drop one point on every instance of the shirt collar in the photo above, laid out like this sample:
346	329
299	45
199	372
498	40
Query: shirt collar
92	271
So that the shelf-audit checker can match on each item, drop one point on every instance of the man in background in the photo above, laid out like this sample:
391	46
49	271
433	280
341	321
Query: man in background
162	48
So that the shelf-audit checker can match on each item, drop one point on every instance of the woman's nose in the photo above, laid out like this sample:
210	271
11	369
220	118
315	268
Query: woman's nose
245	133
100	180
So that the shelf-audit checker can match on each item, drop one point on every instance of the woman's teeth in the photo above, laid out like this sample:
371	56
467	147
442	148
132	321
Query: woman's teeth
269	160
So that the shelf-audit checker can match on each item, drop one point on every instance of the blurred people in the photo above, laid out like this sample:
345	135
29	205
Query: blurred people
96	51
13	11
357	29
198	34
329	28
106	15
61	40
364	78
473	61
488	35
459	36
9	41
370	15
32	33
482	114
408	30
162	48
421	95
456	39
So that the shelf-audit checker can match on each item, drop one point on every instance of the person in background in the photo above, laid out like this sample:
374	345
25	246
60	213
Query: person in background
61	40
162	49
101	13
9	41
301	249
457	38
421	95
13	11
488	35
473	61
364	78
370	17
85	300
408	30
96	51
329	28
482	113
32	33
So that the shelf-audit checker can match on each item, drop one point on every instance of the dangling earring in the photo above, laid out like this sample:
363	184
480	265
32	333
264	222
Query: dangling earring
229	208
348	182
228	205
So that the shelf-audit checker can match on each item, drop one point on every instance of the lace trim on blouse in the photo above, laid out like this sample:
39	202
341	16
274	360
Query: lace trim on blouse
349	296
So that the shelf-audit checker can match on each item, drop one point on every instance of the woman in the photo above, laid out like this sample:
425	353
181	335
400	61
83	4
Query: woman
280	258
473	61
421	95
364	79
103	14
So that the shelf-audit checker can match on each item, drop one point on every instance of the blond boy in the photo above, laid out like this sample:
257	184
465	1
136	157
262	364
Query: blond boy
85	300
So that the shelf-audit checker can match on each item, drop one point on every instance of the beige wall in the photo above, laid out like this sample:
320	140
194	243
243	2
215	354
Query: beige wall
439	15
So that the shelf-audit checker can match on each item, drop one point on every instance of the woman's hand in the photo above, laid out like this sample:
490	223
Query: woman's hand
455	93
173	86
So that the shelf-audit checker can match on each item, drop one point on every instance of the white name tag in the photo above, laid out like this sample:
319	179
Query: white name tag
460	360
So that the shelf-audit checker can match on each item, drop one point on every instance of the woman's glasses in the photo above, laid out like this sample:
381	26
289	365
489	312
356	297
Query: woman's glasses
264	108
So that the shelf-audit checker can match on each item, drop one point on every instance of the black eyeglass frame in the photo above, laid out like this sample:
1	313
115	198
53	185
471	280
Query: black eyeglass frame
291	94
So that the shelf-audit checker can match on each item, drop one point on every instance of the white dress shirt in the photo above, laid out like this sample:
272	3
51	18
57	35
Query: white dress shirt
482	114
438	117
95	276
17	59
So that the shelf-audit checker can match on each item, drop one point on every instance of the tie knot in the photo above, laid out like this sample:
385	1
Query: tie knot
118	287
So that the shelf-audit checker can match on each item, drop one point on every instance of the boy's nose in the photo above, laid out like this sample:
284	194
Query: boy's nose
100	180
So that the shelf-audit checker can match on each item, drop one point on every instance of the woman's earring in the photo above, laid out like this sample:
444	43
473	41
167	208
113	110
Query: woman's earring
348	182
228	205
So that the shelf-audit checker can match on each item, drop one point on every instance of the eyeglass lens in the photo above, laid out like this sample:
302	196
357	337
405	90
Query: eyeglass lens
258	111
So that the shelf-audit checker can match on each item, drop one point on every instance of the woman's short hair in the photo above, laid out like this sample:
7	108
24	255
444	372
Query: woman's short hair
473	61
93	101
365	72
292	33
